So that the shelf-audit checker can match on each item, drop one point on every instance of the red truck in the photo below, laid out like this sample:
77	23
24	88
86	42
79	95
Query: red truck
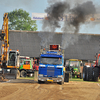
35	64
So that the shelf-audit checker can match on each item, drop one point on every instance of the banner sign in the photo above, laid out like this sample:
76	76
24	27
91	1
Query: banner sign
66	17
38	16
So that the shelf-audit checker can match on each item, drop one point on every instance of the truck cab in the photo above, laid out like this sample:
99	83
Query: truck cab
10	70
13	60
35	64
26	69
51	66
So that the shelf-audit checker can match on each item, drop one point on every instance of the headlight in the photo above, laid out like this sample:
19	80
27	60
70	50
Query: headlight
41	75
59	66
8	70
0	69
60	76
42	65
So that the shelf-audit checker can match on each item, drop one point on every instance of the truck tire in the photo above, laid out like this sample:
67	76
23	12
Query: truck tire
87	74
84	73
23	73
66	77
81	76
39	82
90	73
96	74
61	82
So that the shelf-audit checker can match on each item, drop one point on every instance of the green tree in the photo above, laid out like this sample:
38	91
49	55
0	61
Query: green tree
20	20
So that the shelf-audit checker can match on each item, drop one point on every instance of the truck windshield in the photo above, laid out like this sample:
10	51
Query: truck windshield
26	62
22	58
74	63
12	57
51	60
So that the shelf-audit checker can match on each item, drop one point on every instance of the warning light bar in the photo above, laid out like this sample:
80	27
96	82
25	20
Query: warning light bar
54	47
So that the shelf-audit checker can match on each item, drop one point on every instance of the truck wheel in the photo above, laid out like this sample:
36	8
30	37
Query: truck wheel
23	73
87	76
90	73
84	73
80	75
61	82
39	82
66	77
96	74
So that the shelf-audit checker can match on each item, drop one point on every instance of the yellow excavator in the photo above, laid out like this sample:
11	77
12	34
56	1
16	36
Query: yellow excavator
9	61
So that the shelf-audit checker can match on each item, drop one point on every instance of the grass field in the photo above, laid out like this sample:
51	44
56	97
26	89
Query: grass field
32	78
71	79
81	80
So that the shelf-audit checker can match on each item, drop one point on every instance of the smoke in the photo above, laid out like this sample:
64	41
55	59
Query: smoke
56	11
46	37
82	11
68	39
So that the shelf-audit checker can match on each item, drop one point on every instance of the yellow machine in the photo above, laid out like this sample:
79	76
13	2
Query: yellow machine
9	62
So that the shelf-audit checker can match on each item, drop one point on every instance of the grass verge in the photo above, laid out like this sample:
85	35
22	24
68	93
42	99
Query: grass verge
32	78
81	80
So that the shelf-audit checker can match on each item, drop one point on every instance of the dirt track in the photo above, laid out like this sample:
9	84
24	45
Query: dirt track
50	91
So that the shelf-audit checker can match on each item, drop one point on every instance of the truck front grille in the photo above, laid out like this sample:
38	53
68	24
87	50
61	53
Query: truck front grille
50	71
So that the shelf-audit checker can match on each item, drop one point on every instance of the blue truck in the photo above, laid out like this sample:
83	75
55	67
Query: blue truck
51	65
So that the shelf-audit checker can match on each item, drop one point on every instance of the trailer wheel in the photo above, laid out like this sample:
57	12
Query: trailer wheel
90	73
23	73
84	73
96	74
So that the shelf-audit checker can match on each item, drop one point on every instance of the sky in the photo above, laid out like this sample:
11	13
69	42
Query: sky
39	6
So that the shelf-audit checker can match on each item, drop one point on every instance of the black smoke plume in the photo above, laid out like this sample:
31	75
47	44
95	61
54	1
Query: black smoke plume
58	9
82	11
55	12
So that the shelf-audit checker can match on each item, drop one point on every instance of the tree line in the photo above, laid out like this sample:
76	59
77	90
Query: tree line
20	20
